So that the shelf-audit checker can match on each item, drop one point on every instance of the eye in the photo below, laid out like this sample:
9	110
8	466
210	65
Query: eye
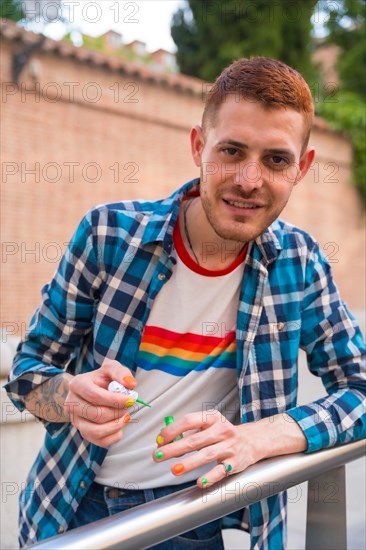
278	161
231	151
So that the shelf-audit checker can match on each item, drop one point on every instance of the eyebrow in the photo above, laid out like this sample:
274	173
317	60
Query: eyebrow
272	151
232	142
286	152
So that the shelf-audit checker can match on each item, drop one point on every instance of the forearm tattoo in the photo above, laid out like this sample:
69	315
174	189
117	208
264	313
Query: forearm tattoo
46	401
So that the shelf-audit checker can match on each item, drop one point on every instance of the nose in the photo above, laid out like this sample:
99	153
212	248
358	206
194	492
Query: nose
249	176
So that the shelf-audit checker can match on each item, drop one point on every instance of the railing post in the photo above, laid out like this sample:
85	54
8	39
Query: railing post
326	525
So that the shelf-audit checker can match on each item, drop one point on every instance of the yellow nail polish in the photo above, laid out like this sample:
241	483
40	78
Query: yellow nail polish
130	402
160	440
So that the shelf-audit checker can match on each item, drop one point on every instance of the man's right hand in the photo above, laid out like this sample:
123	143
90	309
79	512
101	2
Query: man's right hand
98	414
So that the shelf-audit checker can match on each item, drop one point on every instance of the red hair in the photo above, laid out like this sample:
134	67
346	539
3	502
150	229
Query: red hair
273	83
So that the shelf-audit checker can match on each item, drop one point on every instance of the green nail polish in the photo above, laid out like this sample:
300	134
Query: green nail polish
159	454
169	420
204	481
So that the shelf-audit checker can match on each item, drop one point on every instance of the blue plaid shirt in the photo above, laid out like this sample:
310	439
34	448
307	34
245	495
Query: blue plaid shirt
96	307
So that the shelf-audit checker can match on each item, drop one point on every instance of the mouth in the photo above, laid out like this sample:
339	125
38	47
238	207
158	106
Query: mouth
243	204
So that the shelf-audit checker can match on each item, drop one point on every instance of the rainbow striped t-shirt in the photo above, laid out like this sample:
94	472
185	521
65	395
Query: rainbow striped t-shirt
187	363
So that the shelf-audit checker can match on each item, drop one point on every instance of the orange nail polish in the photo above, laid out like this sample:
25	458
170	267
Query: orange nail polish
130	381
178	469
126	418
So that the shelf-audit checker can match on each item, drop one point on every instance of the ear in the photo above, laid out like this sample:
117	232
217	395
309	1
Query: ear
197	144
305	162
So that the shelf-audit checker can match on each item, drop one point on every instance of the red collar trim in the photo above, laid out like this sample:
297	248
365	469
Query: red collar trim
194	266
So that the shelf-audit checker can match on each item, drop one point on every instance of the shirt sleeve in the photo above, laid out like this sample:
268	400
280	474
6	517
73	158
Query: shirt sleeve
62	322
336	352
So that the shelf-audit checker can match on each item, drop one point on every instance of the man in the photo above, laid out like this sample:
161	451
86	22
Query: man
201	301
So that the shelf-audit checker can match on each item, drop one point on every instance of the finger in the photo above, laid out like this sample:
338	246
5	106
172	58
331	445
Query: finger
192	422
92	389
105	434
216	474
194	440
193	461
197	460
113	370
99	415
188	444
76	406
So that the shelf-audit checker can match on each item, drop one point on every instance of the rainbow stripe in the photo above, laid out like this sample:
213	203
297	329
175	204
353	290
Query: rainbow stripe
178	354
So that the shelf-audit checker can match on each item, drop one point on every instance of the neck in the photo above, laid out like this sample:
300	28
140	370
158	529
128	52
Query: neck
201	241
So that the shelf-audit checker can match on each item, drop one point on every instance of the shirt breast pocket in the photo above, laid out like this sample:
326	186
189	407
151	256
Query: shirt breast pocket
284	331
277	343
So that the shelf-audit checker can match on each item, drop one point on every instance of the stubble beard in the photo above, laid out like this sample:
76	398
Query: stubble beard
240	231
225	234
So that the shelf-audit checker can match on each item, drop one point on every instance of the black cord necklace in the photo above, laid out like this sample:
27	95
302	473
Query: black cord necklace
188	204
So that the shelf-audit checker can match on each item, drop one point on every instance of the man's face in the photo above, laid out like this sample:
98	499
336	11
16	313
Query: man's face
249	162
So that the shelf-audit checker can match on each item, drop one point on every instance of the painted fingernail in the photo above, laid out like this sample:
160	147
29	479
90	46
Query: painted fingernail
130	381
159	454
130	402
126	418
160	440
178	469
204	481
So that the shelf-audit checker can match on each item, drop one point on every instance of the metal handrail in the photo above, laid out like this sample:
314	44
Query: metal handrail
154	522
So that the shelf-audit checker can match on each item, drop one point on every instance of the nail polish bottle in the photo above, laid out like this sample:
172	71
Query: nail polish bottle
116	387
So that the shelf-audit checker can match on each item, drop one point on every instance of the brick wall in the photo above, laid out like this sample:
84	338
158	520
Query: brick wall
93	134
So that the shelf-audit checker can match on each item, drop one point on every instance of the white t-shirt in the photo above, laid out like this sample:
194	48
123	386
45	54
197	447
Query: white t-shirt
186	363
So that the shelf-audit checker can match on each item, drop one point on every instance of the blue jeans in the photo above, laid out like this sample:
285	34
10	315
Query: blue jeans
101	502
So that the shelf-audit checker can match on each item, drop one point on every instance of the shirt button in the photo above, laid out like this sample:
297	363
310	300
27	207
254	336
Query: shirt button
61	529
161	276
82	484
280	325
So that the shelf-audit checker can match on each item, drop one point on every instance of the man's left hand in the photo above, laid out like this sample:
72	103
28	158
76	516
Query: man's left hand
234	448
